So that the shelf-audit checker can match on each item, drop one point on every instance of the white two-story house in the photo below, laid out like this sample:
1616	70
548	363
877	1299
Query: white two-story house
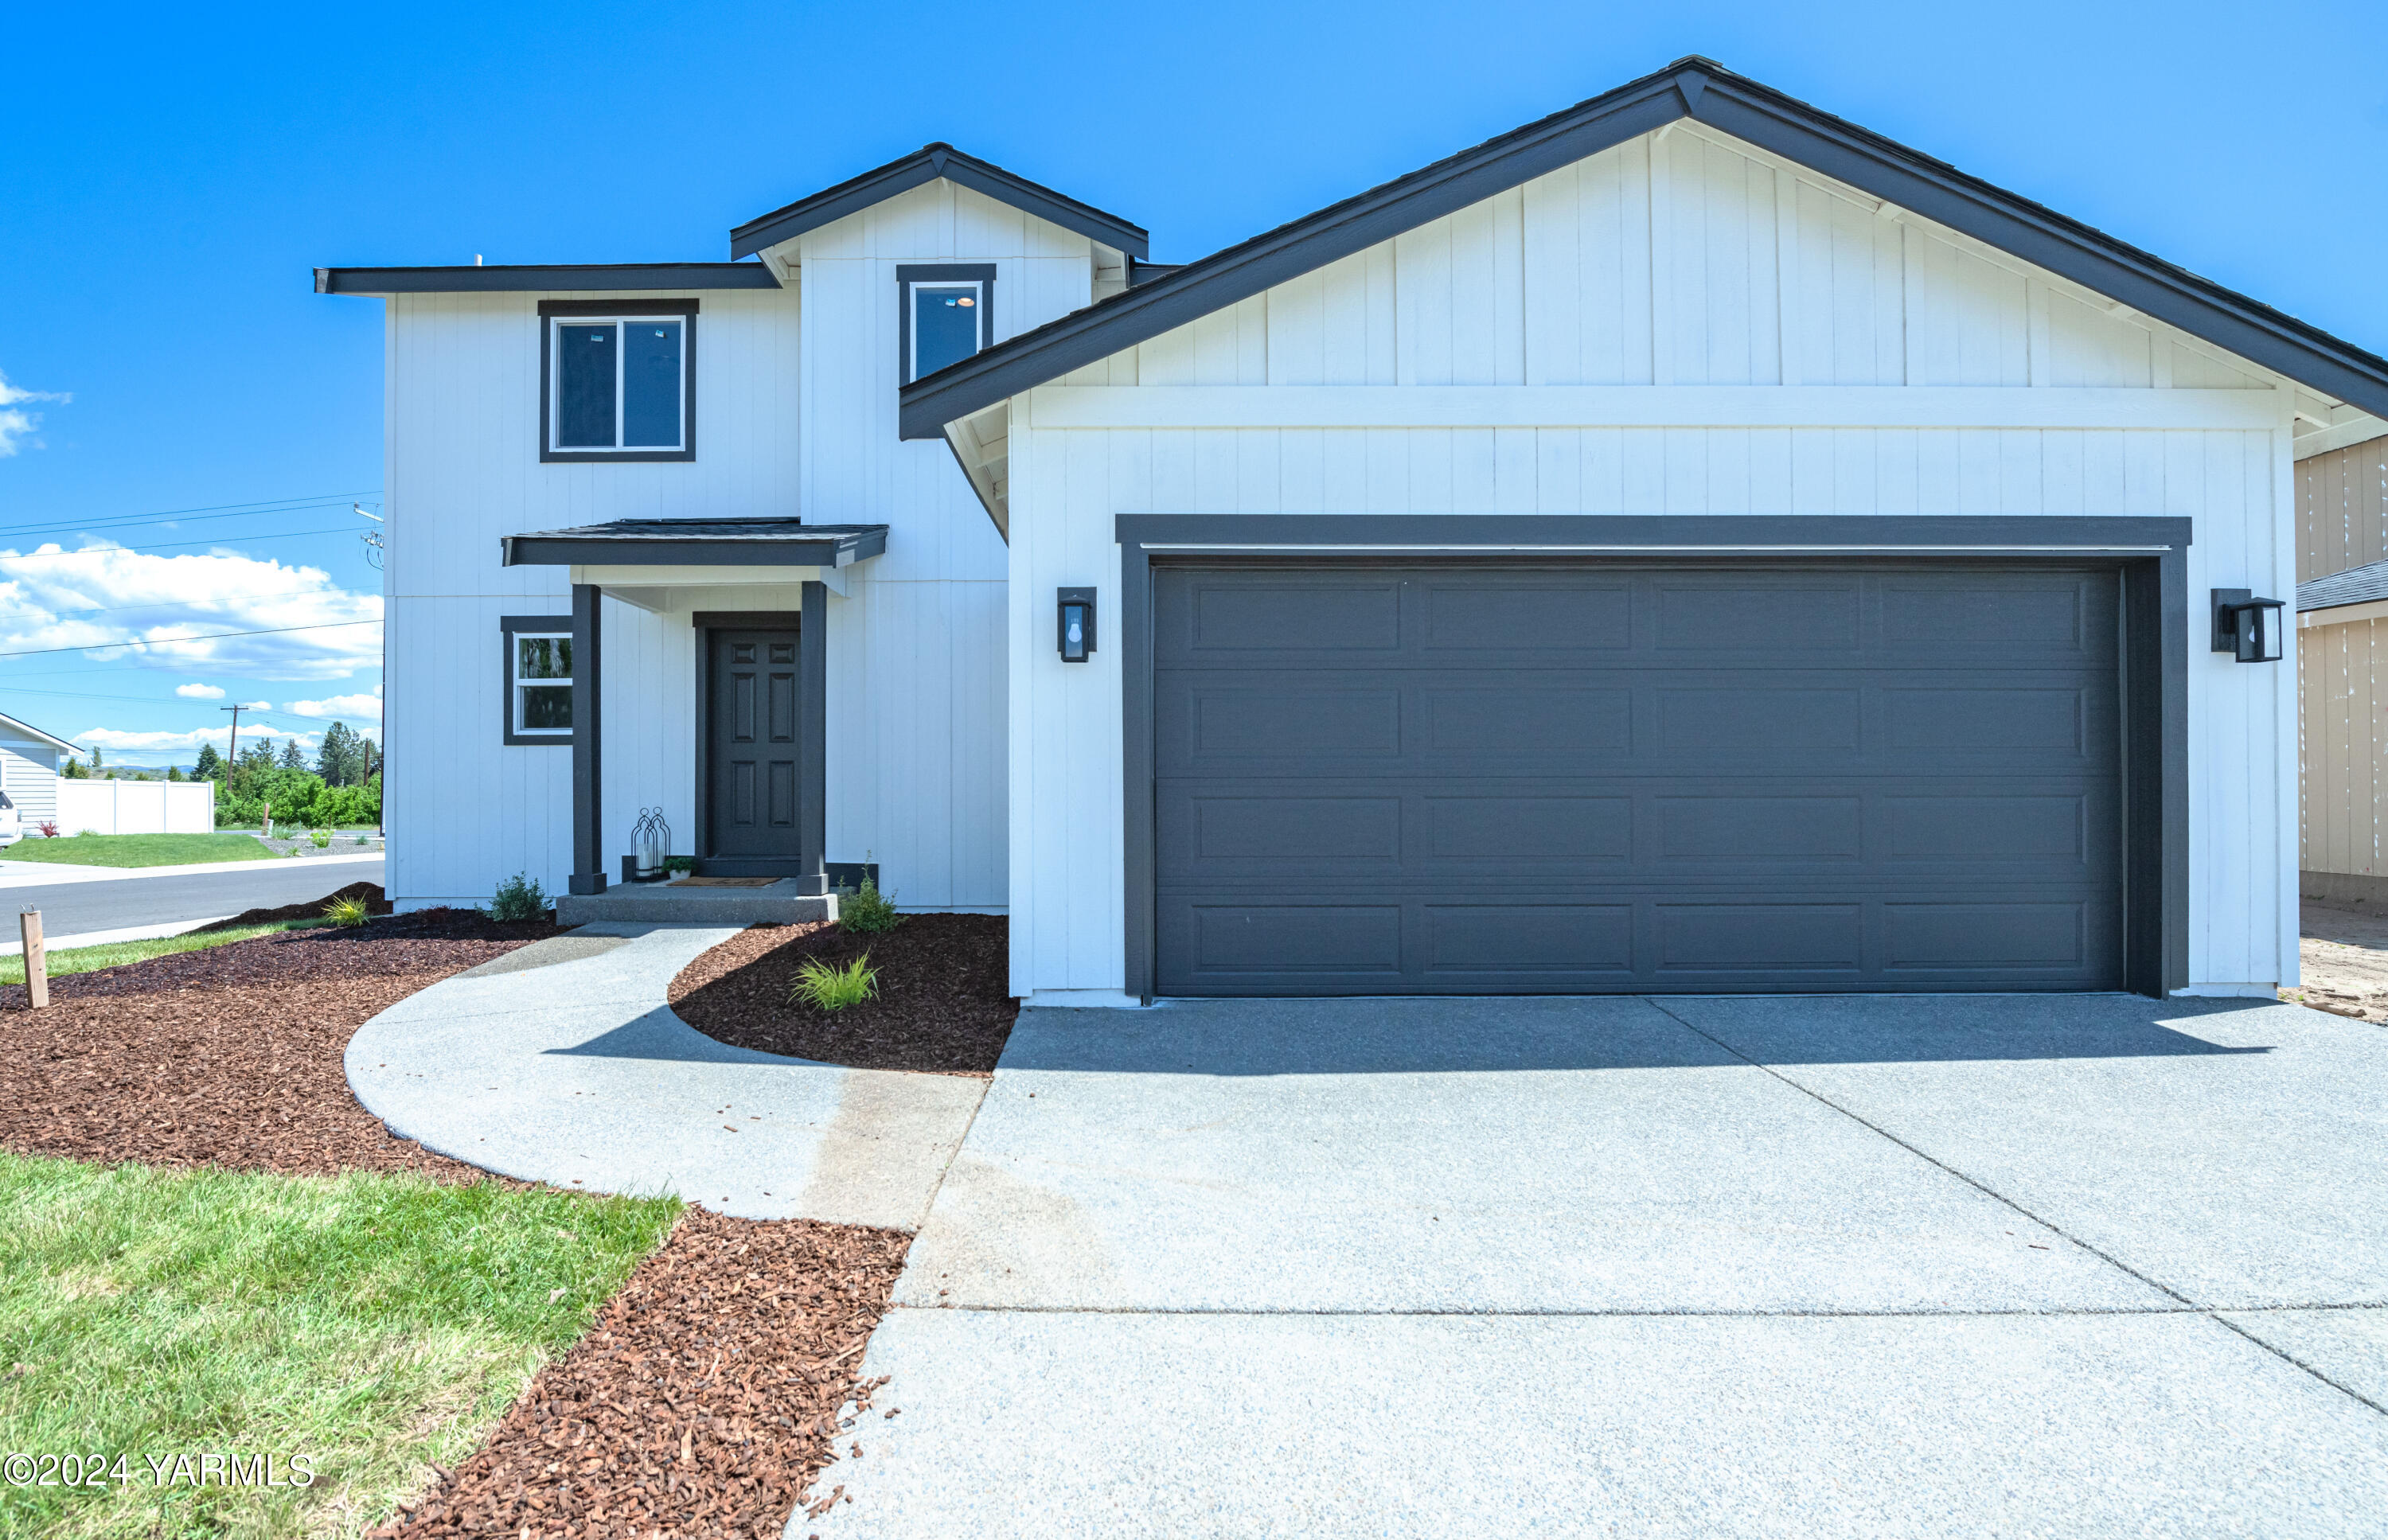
1688	543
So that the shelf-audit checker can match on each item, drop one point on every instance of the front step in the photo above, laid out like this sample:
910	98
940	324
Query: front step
672	903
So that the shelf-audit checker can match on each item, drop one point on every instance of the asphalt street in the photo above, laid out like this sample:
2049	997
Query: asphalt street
71	908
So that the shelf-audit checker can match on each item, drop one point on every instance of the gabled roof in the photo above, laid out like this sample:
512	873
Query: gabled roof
2356	586
1706	92
925	164
33	731
612	277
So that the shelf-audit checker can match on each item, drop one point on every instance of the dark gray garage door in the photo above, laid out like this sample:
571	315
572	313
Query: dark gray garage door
1472	777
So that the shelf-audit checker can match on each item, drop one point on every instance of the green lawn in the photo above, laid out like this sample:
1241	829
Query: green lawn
83	959
370	1323
139	849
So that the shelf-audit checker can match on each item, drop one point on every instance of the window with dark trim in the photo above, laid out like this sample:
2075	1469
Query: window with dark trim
537	678
616	380
948	314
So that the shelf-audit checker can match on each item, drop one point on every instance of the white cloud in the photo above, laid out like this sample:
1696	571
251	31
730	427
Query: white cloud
257	705
338	706
200	693
16	426
126	594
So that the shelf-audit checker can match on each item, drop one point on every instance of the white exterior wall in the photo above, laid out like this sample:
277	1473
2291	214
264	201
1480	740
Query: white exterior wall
796	402
1684	261
29	773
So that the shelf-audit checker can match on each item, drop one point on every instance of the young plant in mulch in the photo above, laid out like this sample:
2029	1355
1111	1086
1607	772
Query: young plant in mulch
519	898
867	911
347	911
826	987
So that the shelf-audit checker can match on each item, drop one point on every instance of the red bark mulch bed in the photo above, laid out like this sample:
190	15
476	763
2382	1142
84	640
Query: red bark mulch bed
941	1006
231	1057
703	1401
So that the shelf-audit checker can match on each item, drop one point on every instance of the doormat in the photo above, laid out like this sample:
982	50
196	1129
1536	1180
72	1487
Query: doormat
725	882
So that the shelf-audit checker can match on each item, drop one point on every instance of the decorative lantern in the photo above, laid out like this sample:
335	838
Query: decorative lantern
2246	626
650	843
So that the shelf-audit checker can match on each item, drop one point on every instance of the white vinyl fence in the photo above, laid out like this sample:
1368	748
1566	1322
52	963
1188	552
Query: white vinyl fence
137	807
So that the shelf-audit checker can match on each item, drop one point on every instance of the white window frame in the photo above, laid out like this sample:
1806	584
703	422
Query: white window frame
555	324
977	292
975	279
516	731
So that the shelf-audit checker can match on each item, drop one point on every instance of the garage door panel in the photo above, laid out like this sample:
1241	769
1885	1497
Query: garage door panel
2022	934
1511	614
1815	618
1492	941
1607	778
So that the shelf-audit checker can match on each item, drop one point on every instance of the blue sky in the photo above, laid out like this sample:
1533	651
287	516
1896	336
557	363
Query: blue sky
171	174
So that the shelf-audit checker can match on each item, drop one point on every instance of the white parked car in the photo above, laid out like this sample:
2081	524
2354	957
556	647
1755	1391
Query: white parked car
12	828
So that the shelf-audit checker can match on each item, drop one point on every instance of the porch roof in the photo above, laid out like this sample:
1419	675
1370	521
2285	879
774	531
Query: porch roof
746	542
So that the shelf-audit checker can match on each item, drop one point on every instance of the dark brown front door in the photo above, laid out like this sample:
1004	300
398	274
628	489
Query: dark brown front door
751	753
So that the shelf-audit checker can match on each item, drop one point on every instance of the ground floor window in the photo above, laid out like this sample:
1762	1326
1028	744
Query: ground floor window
537	678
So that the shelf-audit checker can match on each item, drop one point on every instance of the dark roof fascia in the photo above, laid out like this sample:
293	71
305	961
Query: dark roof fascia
926	165
817	545
1708	93
2356	586
564	278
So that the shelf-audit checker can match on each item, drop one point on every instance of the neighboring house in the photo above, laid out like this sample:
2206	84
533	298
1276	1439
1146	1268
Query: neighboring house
2342	601
1689	543
30	761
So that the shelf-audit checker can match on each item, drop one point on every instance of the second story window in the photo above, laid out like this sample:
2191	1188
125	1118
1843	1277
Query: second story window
949	314
619	380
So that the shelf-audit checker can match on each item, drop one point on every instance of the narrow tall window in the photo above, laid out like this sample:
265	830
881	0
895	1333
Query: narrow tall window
948	314
537	678
617	387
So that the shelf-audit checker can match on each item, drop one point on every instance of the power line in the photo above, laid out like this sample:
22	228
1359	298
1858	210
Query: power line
171	545
269	505
203	518
155	700
175	641
171	603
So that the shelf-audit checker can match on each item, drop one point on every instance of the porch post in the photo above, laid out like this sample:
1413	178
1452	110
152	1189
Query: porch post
812	752
588	743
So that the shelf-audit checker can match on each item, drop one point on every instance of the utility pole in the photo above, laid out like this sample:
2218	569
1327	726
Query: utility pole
235	754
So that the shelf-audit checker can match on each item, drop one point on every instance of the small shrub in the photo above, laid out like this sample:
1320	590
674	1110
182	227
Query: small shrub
323	837
680	863
519	898
364	839
85	833
869	912
49	828
833	988
346	911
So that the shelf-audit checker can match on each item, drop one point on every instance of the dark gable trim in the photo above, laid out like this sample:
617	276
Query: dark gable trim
1708	93
926	165
909	273
829	547
2151	556
611	307
610	275
508	625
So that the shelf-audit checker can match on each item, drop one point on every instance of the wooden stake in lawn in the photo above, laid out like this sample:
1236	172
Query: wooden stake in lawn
37	959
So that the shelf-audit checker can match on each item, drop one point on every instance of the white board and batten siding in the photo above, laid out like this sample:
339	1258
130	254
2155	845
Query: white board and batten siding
1690	266
795	400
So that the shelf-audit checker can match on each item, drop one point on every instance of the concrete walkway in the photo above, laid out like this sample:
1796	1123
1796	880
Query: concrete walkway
1891	1266
561	1063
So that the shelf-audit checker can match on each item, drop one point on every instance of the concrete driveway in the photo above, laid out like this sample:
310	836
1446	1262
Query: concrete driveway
1937	1266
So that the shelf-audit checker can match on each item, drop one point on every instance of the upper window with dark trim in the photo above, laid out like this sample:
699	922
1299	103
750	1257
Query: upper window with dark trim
617	379
537	678
949	314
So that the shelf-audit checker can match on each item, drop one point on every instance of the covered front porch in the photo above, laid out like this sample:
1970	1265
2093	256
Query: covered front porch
754	594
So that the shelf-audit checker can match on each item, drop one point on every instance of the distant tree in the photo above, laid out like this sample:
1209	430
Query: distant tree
97	761
173	771
209	765
74	770
291	758
340	761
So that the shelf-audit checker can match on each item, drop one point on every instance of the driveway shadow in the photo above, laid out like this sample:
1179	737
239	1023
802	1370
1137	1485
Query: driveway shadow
1397	1035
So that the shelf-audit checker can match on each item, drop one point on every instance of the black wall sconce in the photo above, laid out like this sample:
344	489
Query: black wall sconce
1077	625
2248	627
